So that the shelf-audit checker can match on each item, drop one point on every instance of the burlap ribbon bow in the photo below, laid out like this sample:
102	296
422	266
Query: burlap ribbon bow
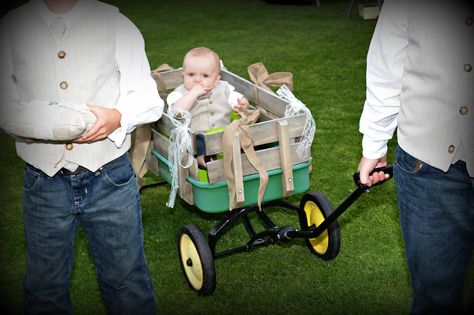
259	75
156	74
241	126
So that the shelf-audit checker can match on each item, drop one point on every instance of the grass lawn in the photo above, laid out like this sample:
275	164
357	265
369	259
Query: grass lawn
326	54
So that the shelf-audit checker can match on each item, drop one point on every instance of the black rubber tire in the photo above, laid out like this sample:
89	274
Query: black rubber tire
327	245
193	252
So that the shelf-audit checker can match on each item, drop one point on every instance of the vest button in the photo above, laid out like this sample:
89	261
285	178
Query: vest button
64	85
211	113
61	54
463	110
469	21
69	146
467	67
210	101
451	148
213	125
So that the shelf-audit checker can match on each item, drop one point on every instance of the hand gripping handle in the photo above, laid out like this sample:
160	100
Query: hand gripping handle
386	169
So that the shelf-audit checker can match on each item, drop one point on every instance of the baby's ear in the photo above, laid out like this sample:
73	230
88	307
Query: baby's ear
218	78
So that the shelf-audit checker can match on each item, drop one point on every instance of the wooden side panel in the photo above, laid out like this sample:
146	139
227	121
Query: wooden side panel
270	159
172	78
262	133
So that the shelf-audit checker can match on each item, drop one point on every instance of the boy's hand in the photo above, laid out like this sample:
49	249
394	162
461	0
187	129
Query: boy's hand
108	119
367	165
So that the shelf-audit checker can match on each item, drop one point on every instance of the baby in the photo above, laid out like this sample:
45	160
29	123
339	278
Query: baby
210	100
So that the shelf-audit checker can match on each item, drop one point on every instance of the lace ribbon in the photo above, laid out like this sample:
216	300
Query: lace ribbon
180	150
295	107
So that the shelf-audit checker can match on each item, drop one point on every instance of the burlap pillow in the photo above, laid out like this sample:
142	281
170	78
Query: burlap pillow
50	122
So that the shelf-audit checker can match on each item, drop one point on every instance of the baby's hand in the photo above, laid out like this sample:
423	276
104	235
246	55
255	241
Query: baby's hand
242	104
199	90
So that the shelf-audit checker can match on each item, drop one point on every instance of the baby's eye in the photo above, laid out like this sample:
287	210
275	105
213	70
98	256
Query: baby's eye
191	74
206	75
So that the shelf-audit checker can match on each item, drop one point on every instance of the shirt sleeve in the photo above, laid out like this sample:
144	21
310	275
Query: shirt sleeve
173	97
385	62
139	101
233	96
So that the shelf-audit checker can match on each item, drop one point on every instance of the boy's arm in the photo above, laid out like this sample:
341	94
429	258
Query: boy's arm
139	101
385	60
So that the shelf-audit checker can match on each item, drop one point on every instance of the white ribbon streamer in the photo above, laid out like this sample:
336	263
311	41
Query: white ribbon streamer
295	107
180	150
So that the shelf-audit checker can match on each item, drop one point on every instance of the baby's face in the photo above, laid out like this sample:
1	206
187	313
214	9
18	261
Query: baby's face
201	70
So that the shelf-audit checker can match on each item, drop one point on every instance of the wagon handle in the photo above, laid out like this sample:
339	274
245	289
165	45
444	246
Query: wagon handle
386	169
316	231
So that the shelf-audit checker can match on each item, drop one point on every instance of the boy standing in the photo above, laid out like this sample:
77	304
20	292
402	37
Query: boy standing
79	52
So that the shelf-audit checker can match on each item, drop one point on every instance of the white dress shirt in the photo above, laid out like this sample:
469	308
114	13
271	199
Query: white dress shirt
420	78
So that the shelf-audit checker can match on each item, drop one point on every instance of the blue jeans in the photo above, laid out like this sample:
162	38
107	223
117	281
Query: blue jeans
107	204
437	219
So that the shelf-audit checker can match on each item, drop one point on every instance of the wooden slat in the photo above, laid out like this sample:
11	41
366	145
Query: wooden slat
285	158
193	170
237	169
270	159
153	165
164	125
160	143
262	133
185	189
270	101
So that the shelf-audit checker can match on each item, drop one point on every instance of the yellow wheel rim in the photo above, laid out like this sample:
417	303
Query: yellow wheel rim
191	262
315	216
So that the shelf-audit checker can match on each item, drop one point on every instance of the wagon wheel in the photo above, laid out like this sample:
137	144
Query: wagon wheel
315	208
196	259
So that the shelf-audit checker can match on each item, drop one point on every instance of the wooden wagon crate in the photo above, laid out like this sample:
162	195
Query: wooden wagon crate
275	139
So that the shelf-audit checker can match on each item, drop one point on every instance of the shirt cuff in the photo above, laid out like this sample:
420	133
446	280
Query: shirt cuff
373	149
233	98
173	97
118	136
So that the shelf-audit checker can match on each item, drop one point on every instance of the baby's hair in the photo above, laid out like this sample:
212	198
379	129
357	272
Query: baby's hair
203	51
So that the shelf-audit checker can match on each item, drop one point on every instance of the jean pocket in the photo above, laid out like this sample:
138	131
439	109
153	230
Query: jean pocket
31	179
119	174
408	163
